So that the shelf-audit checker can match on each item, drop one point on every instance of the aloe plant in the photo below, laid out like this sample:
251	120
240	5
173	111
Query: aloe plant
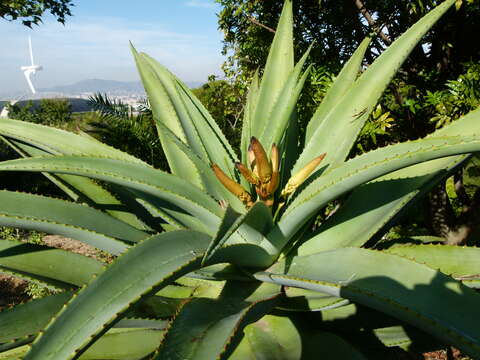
218	259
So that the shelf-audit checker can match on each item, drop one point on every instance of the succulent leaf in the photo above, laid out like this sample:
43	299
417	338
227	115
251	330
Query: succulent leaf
343	82
48	263
368	167
31	317
461	263
152	264
392	284
180	195
210	328
280	64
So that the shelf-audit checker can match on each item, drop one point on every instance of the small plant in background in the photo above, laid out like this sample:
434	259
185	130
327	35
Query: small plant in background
379	123
459	96
226	256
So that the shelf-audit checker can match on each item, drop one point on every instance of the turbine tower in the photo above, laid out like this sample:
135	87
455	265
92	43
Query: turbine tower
30	70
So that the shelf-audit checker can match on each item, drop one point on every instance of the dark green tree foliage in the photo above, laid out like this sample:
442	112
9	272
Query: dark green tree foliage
52	112
30	12
337	27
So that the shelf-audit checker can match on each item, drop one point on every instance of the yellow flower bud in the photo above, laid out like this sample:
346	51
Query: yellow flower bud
296	180
274	158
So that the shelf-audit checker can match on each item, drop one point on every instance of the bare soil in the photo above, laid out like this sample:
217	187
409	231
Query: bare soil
72	245
12	291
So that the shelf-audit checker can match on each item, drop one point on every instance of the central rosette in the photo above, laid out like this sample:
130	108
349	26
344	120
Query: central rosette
263	174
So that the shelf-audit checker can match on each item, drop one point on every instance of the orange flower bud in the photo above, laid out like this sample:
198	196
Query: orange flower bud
247	174
232	186
264	168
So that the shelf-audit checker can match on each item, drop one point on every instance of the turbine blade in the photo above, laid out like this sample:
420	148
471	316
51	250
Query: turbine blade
30	47
29	81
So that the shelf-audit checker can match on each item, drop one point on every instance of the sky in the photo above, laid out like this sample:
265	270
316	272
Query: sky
94	42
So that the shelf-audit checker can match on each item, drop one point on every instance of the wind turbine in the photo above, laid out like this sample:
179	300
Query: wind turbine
30	70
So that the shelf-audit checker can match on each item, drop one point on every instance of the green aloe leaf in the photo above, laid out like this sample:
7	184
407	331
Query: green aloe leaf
249	228
152	264
211	328
223	233
68	219
367	167
343	82
29	318
393	336
459	262
394	285
176	108
29	206
175	196
248	116
285	108
116	344
272	338
79	188
216	145
338	131
59	265
212	185
278	338
307	300
164	111
371	206
140	323
56	141
280	64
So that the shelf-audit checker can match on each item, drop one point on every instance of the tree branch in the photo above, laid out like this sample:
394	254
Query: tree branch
256	22
372	22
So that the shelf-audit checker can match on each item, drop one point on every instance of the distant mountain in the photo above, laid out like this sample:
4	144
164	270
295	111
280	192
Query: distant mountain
105	86
109	87
97	85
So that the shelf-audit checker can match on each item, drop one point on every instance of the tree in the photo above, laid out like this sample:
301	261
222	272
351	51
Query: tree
52	112
337	27
30	12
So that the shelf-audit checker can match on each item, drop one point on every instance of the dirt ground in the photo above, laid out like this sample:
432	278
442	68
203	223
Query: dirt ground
12	291
72	245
